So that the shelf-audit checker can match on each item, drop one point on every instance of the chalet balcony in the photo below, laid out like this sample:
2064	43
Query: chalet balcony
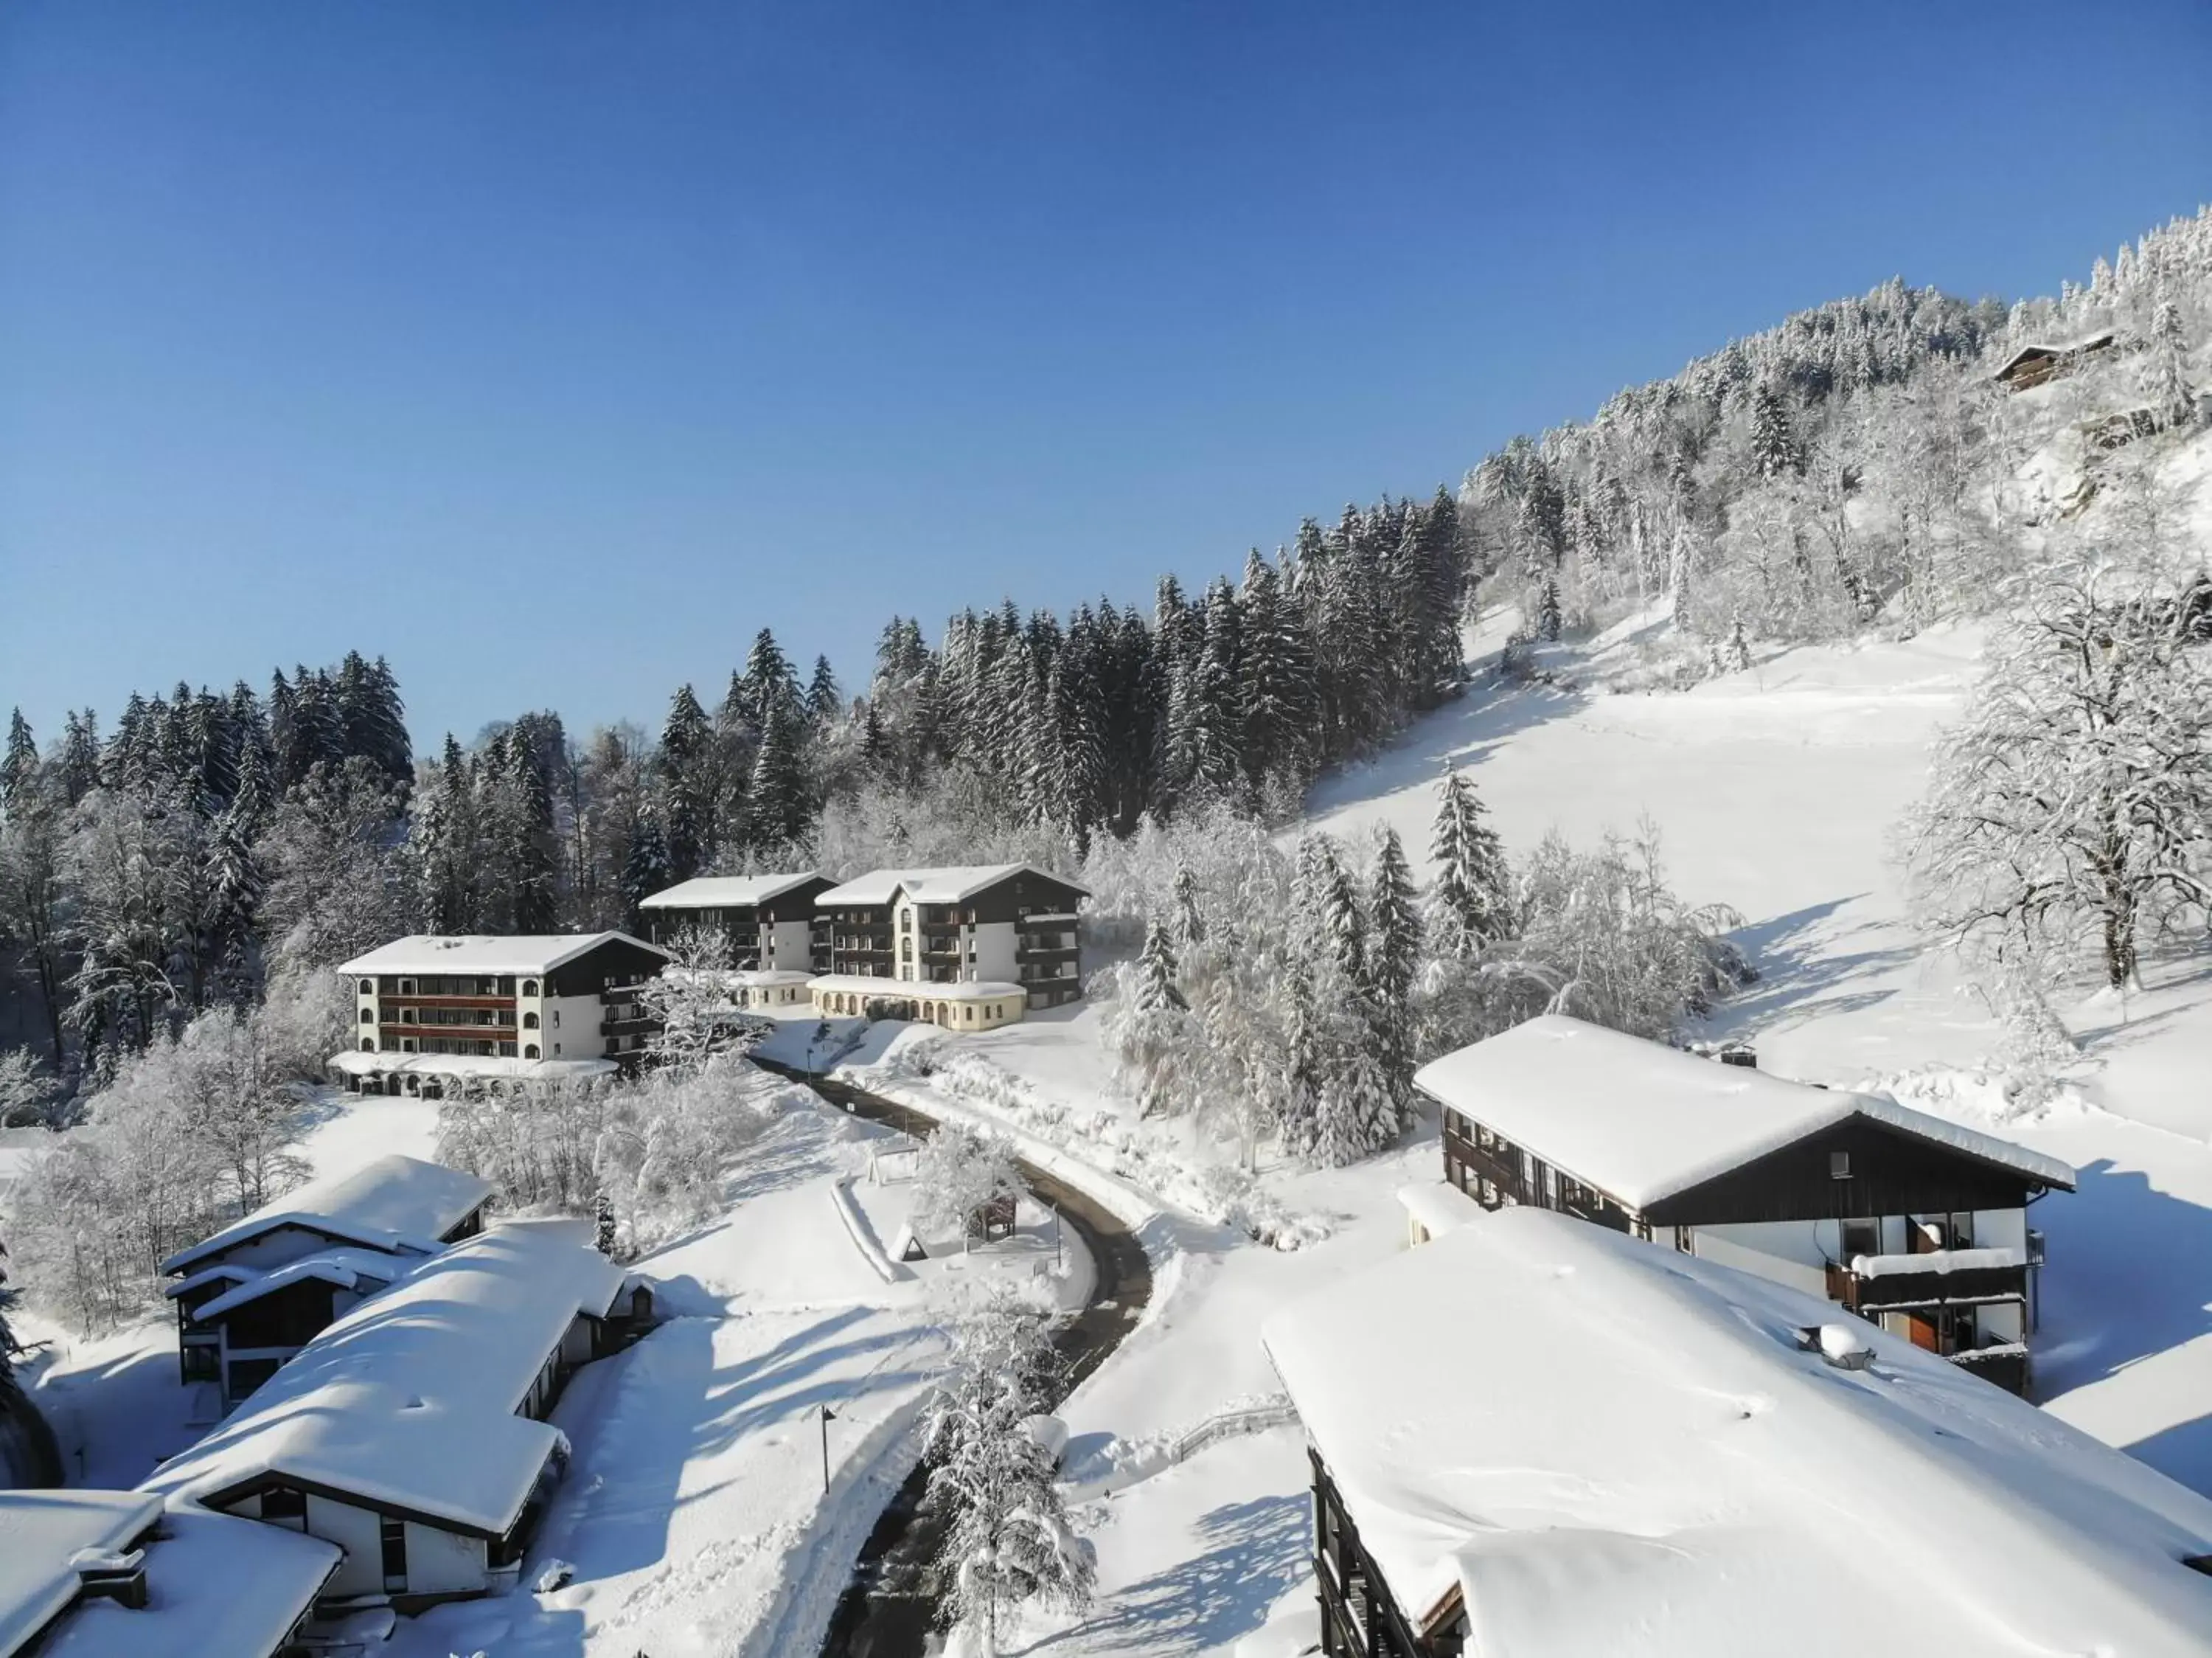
490	1003
2005	1365
636	1025
1067	952
1872	1284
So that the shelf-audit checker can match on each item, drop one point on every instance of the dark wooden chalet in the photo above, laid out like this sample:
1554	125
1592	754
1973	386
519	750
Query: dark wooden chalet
1828	1190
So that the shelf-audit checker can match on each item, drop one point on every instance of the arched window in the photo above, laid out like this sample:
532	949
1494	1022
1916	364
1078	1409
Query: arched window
530	1049
530	987
368	987
368	1044
368	1015
530	1021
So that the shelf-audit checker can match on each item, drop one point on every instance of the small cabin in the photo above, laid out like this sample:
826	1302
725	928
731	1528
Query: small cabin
2033	364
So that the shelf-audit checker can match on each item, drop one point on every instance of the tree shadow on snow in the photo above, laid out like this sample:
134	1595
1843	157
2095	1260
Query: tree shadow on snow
1256	1551
2129	1275
1493	711
1805	967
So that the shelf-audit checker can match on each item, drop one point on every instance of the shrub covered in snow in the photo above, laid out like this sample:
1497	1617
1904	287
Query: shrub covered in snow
652	1151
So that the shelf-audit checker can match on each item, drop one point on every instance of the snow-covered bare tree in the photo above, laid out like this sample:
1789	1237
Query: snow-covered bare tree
2075	801
1009	1542
961	1171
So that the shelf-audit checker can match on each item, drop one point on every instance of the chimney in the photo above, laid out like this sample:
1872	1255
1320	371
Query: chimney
105	1575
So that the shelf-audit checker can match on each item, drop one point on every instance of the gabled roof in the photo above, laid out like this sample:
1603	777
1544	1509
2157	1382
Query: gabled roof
2057	348
1642	1121
952	885
346	1269
522	952
1610	1447
719	891
407	1401
393	1203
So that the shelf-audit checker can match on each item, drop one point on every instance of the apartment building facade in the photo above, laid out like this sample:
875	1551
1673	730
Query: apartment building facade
768	923
429	1008
1010	926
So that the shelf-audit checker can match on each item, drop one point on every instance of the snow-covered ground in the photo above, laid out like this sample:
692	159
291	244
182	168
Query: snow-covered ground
1777	793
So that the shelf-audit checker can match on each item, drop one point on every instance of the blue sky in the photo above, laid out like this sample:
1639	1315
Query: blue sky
553	350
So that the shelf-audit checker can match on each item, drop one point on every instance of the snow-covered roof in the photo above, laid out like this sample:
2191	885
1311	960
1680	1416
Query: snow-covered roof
725	891
366	1270
2060	348
221	1272
391	1203
1608	1446
952	885
1642	1121
40	1534
408	1401
903	990
468	1064
214	1584
522	952
1438	1206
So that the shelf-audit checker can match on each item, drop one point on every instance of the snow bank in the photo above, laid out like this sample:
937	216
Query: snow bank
863	1235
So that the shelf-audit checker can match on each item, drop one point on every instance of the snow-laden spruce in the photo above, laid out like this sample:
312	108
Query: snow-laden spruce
1009	1542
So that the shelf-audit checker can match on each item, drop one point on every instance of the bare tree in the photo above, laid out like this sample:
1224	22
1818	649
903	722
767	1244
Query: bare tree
2076	799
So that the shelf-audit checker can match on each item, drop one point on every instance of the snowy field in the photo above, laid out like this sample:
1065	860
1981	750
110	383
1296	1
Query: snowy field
1777	793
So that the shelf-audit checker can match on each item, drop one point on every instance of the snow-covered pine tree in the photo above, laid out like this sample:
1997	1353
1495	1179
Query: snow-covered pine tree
2165	366
824	701
1470	905
1391	958
684	763
1739	649
78	768
777	805
1775	450
1010	1541
20	764
1278	682
645	868
1190	913
1156	990
1550	617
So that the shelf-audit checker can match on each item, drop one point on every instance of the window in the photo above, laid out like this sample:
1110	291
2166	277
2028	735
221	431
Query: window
1861	1237
368	1015
283	1503
530	987
530	1051
556	1019
368	987
368	1044
530	1021
1839	1165
393	1533
406	987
